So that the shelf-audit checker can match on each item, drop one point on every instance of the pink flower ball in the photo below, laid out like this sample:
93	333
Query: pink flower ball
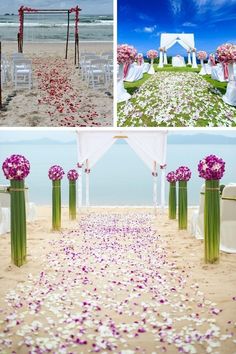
226	53
16	167
152	54
126	54
183	173
171	177
56	173
211	167
72	175
201	55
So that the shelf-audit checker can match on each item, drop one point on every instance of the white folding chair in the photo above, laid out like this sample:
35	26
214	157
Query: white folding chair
22	73
228	219
98	73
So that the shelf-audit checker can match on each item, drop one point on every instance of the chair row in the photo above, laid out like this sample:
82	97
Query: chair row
97	70
228	218
17	71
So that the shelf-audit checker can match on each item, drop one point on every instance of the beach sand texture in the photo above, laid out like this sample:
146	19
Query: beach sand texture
98	290
59	96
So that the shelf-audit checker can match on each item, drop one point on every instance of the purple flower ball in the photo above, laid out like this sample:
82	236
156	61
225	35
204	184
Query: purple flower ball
56	173
72	175
16	167
183	173
171	177
211	167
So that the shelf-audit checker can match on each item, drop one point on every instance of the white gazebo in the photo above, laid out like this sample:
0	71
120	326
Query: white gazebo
150	146
186	40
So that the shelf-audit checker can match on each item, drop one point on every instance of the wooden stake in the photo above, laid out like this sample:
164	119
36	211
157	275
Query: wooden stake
68	32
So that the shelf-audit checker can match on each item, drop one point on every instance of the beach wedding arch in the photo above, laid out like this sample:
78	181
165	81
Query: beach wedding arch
186	40
149	146
24	10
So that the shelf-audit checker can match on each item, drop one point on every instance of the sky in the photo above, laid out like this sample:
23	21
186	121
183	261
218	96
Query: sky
91	7
70	135
140	23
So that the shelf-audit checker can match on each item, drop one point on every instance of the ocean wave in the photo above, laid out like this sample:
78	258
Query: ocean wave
44	25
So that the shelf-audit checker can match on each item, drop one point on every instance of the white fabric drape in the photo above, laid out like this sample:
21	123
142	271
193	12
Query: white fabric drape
149	146
186	40
165	58
161	59
194	60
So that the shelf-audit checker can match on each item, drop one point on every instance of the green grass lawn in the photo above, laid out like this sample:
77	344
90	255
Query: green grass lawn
132	87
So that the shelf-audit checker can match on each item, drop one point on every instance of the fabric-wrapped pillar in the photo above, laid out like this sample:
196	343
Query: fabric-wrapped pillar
163	181
154	174
161	59
189	58
87	172
194	60
165	58
80	184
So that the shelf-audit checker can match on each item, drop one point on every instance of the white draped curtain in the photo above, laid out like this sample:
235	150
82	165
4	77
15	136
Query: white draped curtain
149	146
186	40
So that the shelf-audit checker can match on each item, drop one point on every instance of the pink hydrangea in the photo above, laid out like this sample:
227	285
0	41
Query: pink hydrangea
152	54
171	177
201	55
72	175
183	173
226	53
16	167
126	54
56	173
211	167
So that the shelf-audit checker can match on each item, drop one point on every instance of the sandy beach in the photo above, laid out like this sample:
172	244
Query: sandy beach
69	102
105	286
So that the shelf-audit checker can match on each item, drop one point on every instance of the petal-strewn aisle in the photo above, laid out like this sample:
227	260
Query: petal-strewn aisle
176	99
110	286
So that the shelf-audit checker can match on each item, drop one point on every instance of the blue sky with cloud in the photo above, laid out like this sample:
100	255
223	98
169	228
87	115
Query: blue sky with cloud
140	23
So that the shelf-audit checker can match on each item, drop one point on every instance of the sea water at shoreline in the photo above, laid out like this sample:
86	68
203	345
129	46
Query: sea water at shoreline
53	28
120	177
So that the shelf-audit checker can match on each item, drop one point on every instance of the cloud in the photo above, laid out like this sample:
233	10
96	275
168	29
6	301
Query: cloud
175	6
189	24
144	17
146	29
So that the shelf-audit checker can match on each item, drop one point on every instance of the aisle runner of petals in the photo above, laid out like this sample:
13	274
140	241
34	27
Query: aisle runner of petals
63	103
176	99
109	287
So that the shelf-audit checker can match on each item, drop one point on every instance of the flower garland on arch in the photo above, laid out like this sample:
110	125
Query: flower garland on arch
21	11
76	10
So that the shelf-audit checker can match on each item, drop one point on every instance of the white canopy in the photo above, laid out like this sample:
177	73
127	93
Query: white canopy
150	146
186	40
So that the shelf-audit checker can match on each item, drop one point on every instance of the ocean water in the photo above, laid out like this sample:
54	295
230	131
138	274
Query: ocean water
120	177
52	28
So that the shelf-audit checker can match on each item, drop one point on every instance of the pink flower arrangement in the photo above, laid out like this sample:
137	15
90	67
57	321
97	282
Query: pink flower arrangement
56	173
126	54
211	168
72	175
152	54
16	167
201	55
171	177
183	173
226	53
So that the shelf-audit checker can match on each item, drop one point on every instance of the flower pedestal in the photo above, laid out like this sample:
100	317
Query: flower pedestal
172	201
72	176
212	221
56	205
183	206
18	222
230	96
122	94
16	168
151	70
